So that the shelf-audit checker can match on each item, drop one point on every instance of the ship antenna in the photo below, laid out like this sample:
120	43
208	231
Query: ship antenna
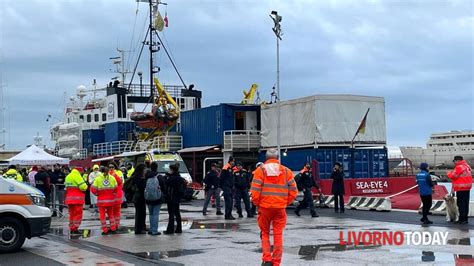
119	61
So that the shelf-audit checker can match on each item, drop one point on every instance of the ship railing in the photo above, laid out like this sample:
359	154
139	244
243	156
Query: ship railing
80	155
163	143
137	90
242	140
111	148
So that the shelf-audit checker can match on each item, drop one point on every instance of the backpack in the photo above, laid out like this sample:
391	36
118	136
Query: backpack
152	189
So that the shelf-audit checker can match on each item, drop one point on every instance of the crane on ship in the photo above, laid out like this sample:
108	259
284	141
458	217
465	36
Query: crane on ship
165	112
163	116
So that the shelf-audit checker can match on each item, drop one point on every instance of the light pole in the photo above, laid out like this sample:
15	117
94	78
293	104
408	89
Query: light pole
277	30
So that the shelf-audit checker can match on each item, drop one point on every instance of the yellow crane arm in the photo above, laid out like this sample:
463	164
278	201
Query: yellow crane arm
162	92
250	95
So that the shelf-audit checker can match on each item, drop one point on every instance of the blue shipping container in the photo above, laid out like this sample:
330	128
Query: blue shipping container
118	131
91	137
367	162
206	126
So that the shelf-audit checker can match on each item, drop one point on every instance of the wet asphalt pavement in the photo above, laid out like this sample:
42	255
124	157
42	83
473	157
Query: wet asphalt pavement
210	240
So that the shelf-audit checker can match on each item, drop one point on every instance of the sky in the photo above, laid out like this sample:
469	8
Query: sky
418	55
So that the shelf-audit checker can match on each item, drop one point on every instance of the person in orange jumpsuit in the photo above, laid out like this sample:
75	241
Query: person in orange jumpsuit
273	189
118	197
105	188
75	194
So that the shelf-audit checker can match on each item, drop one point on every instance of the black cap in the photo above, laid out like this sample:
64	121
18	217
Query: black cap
458	158
213	165
338	163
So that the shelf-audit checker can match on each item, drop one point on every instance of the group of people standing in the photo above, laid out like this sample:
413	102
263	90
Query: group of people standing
461	178
234	181
151	189
109	187
106	188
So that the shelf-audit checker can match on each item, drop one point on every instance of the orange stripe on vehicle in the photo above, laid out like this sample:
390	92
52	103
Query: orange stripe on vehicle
16	199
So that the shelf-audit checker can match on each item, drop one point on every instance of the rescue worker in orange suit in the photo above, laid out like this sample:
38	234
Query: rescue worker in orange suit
242	185
226	182
75	194
462	183
118	200
254	207
273	189
307	183
105	188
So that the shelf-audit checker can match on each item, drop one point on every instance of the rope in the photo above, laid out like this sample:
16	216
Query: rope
138	61
172	62
133	36
399	193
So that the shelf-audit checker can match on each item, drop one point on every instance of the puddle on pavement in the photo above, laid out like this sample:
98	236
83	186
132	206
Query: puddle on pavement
159	255
461	241
186	224
245	242
228	226
310	252
86	233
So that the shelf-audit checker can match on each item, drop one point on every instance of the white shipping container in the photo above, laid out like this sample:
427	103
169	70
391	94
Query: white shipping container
325	120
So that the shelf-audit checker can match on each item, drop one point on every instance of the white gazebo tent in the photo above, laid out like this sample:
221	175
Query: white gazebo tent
36	156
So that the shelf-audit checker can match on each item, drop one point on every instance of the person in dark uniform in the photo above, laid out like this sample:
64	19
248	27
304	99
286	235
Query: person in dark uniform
43	183
212	189
139	181
242	181
226	183
337	190
307	183
175	186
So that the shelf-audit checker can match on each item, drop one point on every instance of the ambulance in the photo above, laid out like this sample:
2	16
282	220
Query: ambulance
22	214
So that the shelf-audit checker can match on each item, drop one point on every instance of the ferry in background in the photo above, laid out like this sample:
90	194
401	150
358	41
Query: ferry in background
441	149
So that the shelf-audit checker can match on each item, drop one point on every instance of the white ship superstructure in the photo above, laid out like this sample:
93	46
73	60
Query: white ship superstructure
441	149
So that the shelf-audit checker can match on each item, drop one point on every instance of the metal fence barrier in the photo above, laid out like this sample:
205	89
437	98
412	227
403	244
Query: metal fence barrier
57	196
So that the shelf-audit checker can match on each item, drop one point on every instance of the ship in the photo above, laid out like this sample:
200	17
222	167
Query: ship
126	115
441	149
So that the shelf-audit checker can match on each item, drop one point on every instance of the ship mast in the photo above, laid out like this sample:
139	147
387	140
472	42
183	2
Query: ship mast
153	45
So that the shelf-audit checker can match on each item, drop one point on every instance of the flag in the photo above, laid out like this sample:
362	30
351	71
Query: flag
166	20
363	123
159	23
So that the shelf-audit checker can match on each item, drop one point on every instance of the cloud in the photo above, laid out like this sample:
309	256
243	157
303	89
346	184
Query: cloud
418	55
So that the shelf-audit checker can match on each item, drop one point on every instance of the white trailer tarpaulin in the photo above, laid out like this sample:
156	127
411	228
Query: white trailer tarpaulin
325	120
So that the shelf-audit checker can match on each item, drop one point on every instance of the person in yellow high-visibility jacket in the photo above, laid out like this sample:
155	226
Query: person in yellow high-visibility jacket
12	173
130	170
75	194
